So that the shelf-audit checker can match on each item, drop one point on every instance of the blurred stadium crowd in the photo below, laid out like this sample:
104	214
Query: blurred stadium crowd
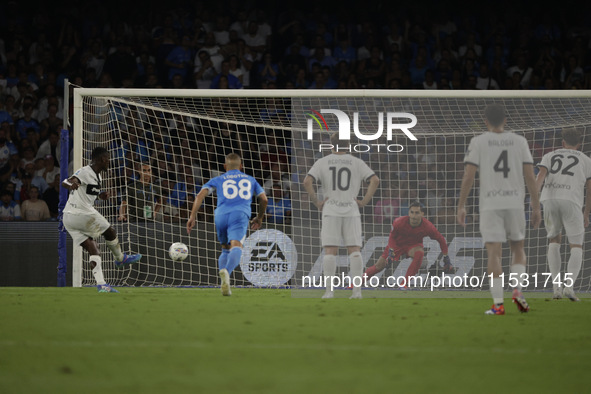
232	44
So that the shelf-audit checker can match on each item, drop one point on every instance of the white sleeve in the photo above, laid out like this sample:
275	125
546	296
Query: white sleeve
472	156
545	161
315	170
84	176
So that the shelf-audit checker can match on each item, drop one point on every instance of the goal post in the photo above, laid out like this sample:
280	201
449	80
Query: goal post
414	140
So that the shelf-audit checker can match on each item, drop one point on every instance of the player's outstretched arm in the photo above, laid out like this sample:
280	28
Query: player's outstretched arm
196	205
257	222
467	182
72	183
530	181
374	182
435	234
381	264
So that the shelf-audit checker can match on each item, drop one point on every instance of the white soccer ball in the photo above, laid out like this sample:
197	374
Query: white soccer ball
178	251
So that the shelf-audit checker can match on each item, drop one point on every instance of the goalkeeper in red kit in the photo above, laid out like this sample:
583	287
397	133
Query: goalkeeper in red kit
406	238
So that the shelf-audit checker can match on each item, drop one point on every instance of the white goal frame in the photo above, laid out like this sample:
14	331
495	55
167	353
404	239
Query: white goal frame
80	93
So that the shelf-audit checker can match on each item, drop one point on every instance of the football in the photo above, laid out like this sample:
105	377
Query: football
178	251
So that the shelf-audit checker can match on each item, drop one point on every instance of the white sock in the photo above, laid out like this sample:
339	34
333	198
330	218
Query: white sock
519	269
574	263
329	266
115	248
554	262
496	289
356	267
97	271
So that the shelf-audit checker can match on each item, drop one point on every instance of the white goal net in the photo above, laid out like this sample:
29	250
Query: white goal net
165	144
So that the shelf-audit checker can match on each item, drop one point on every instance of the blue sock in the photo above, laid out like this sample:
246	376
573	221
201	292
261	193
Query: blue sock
223	259
234	258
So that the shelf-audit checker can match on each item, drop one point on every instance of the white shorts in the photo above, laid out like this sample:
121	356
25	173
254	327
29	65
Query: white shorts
82	226
565	214
500	225
341	231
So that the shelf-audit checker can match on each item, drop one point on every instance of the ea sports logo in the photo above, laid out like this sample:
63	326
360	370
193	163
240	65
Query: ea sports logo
269	258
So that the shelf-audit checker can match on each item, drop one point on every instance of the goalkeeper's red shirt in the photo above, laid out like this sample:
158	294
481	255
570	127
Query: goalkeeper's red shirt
404	237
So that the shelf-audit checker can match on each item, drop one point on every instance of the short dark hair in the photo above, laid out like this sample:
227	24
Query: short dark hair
417	204
98	152
495	114
572	136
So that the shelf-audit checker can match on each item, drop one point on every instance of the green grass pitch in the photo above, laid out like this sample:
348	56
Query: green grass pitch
170	340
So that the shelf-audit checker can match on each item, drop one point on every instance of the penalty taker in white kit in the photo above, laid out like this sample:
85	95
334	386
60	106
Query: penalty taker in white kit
85	223
235	190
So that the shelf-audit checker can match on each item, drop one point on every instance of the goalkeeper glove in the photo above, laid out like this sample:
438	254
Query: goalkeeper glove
447	267
391	257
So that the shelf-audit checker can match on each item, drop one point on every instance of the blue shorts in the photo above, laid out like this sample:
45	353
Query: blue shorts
231	226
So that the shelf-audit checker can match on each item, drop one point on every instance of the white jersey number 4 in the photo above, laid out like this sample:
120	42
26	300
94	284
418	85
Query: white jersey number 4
502	164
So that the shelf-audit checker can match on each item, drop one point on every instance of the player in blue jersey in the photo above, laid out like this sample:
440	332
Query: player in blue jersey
234	190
